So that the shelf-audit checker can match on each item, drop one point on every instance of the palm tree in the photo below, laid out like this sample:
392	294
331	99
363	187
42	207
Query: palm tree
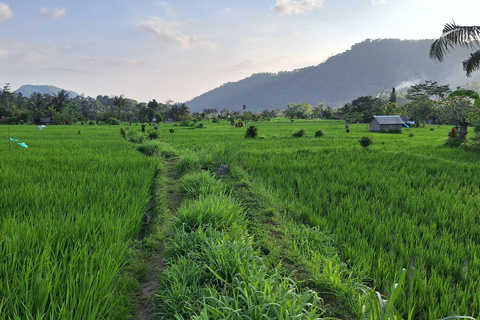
466	37
120	102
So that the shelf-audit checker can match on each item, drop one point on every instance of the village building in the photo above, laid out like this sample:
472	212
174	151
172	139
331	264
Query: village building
386	123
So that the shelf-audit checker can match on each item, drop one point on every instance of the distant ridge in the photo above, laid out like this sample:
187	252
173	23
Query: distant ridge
368	68
28	89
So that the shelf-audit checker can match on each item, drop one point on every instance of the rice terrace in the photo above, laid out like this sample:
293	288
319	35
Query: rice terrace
104	222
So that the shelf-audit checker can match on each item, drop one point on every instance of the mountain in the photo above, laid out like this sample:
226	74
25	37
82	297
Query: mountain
28	89
368	68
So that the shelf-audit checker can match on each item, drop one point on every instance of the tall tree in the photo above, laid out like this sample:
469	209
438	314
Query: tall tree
463	36
119	102
59	100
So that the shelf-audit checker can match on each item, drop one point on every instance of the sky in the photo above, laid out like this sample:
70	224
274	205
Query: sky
177	50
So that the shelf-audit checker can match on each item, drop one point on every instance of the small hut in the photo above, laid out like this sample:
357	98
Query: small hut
386	123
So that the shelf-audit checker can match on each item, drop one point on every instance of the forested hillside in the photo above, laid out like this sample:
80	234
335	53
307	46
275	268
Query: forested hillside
367	68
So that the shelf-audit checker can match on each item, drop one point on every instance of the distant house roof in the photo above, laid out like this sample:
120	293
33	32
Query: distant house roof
389	120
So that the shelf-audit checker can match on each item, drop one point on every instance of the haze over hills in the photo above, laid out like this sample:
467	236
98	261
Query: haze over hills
368	68
28	89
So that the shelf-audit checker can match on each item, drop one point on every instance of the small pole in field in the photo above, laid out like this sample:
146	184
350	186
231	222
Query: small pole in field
9	143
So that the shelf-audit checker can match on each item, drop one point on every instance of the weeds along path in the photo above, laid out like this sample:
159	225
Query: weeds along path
164	200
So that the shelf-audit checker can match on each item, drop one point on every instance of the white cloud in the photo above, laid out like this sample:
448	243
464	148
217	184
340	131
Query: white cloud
292	7
377	2
224	12
167	8
53	13
5	12
168	32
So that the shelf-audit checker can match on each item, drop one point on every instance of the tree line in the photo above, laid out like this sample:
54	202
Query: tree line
427	102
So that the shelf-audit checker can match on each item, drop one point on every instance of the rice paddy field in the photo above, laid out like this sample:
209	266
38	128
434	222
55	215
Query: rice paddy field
71	204
404	202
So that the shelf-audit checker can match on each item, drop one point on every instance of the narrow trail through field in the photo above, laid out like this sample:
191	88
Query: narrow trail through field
164	194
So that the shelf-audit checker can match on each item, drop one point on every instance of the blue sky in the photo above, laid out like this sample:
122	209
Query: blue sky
176	50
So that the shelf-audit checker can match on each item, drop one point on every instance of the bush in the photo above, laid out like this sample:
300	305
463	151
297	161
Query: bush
251	132
123	133
91	123
454	142
300	133
411	135
200	125
365	141
171	130
152	135
319	133
112	121
10	120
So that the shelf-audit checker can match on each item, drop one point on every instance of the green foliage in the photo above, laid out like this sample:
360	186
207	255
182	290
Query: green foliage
319	133
251	132
188	162
365	141
196	184
298	134
148	148
67	236
153	135
112	121
220	212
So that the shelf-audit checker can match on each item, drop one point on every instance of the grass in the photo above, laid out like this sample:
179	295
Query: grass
71	205
405	202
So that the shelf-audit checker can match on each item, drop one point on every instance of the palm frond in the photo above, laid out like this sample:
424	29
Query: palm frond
453	35
472	63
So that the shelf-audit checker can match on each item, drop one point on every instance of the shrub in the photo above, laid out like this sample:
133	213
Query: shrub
298	134
454	142
319	133
171	130
411	135
152	135
200	125
251	132
91	123
123	133
112	121
365	141
10	120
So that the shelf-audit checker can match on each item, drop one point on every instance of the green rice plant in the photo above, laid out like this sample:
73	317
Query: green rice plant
167	151
215	210
148	148
188	162
196	184
65	238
